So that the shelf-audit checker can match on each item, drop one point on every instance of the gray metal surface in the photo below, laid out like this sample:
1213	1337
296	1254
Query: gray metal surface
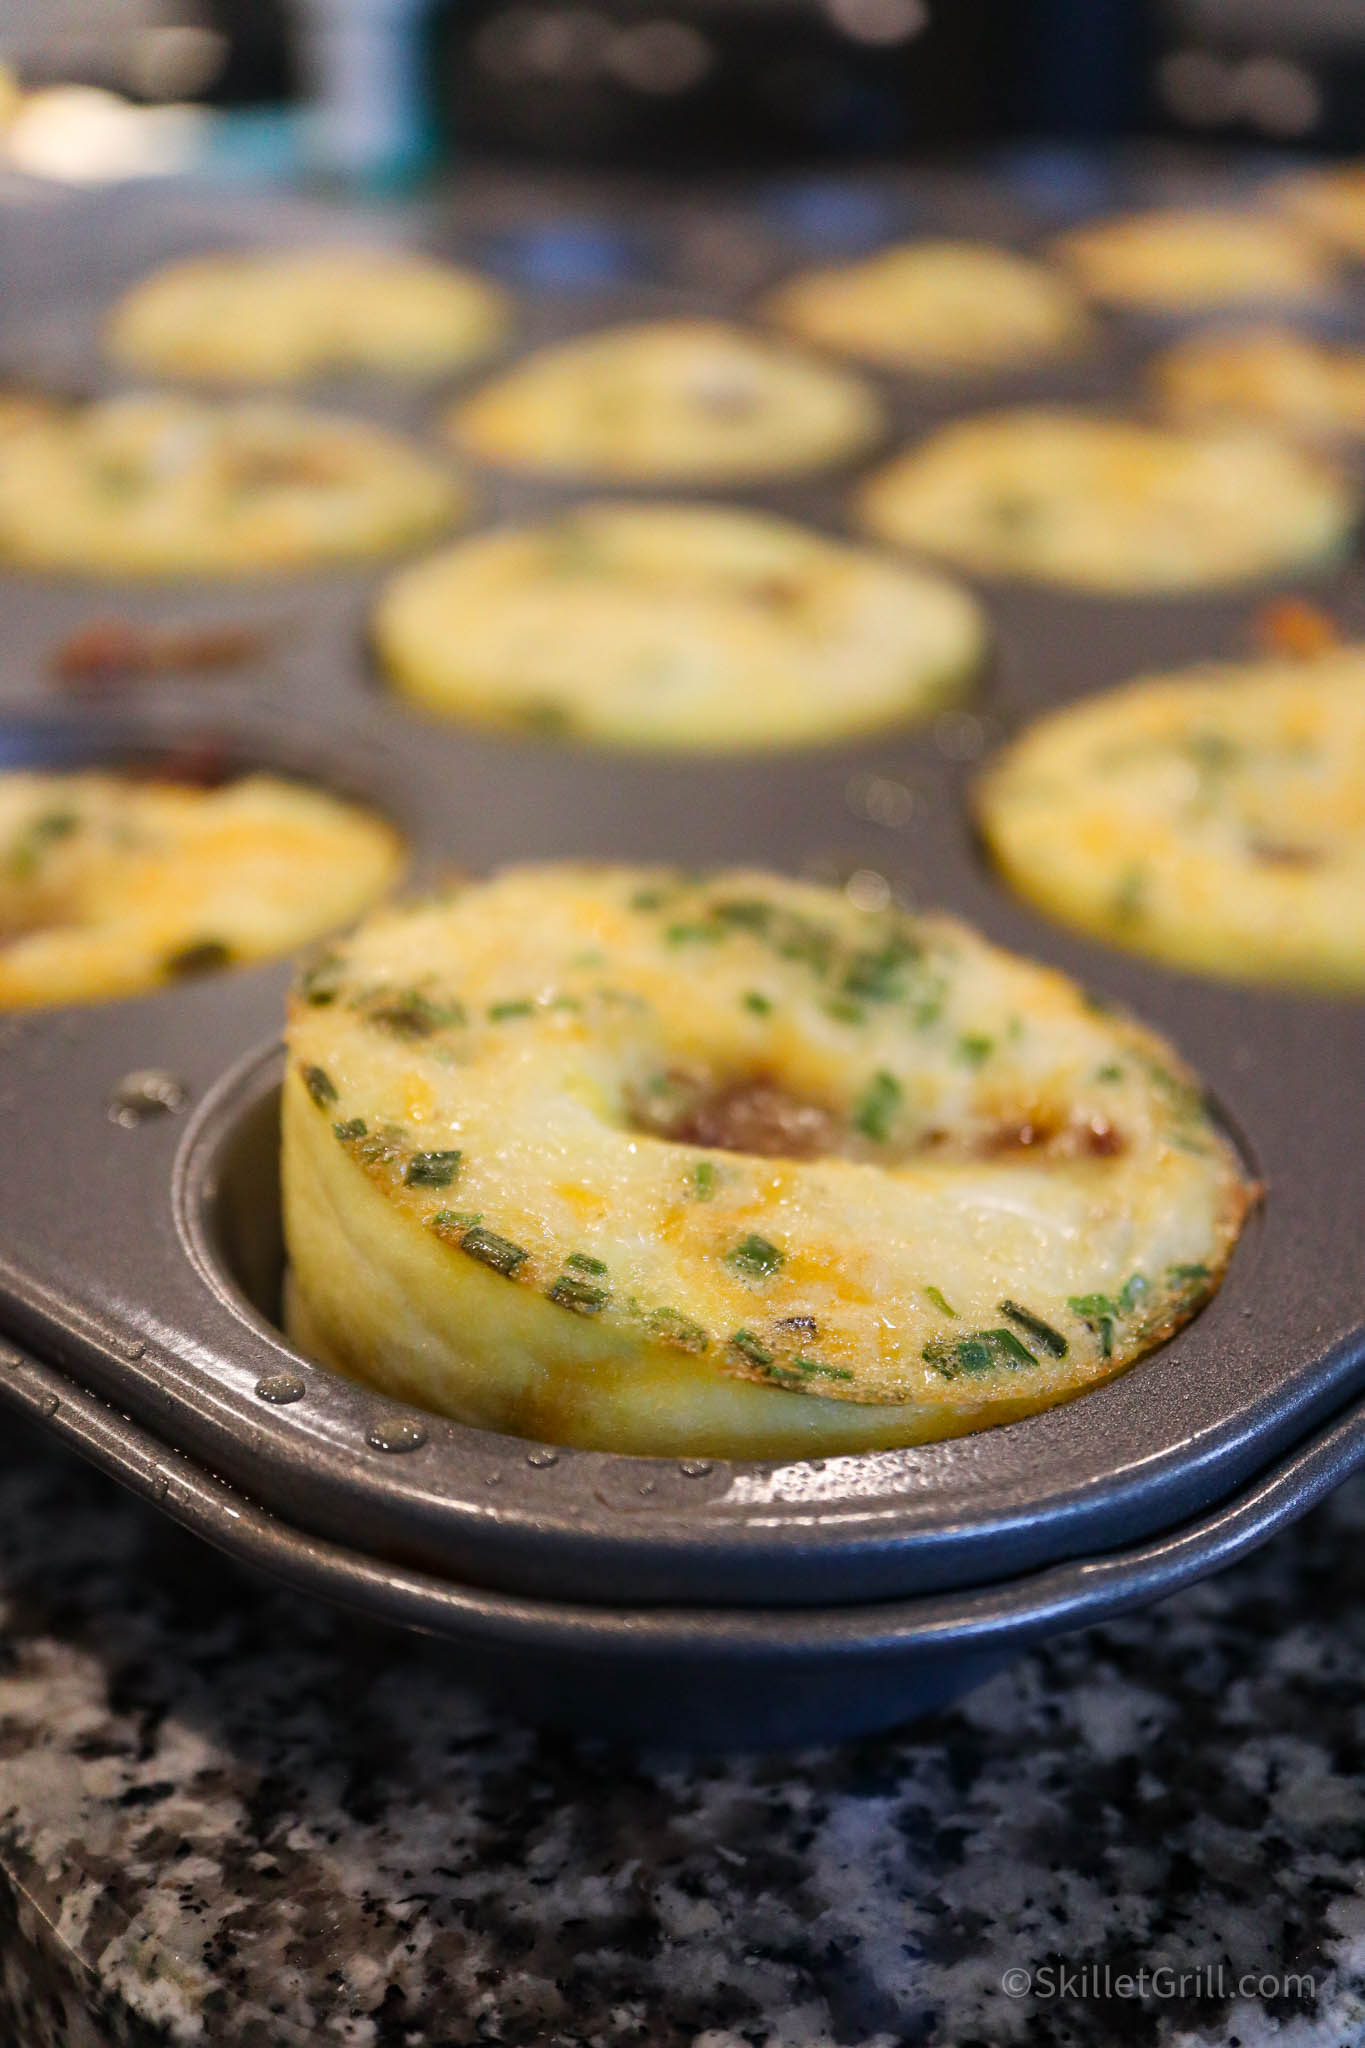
130	1257
700	1677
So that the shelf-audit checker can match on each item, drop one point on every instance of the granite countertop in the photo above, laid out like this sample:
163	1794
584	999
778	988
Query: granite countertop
227	1815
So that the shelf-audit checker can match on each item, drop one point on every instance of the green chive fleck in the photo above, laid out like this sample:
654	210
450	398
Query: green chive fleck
491	1250
755	1258
584	1263
200	956
704	1179
756	1001
354	1127
321	983
432	1169
500	1013
1099	1311
816	1368
943	1307
975	1048
876	1107
320	1086
1050	1339
981	1351
750	914
579	1295
1129	897
410	1014
748	1346
671	1327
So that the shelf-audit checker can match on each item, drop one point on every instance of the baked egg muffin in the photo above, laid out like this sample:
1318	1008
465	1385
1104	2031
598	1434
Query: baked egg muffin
1328	201
1112	505
1183	259
1270	374
111	884
281	316
687	627
936	309
725	1165
180	486
1214	820
681	400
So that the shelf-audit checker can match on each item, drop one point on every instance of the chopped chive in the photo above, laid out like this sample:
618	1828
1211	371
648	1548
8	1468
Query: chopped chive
975	1048
1129	904
354	1127
491	1250
410	1014
1110	1071
940	1304
584	1263
817	1368
321	983
1099	1311
1195	1272
844	1011
578	1295
704	1179
756	1001
380	1148
1136	1285
432	1169
879	977
745	1342
672	1327
32	842
693	934
876	1107
755	1257
500	1013
980	1351
320	1086
448	1221
649	899
200	956
749	913
1050	1339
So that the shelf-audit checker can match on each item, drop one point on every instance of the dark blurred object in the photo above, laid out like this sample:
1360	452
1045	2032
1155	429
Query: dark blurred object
715	80
259	57
1279	71
230	51
1078	67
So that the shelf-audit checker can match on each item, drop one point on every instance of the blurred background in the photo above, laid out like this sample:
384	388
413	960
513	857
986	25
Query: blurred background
394	86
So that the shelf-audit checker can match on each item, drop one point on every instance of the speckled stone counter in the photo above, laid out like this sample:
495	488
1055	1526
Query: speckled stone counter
228	1816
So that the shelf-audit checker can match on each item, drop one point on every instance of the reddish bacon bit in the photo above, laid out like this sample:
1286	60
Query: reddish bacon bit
110	652
1292	626
759	1117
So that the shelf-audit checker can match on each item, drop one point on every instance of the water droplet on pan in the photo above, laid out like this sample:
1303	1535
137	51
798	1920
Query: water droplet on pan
280	1387
146	1092
395	1433
694	1468
542	1457
131	1347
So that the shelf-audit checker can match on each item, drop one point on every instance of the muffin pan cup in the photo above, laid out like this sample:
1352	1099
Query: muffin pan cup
140	1266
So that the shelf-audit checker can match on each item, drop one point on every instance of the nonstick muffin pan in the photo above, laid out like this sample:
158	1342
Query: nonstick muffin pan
140	1258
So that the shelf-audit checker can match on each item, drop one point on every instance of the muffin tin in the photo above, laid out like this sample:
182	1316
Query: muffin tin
140	1256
